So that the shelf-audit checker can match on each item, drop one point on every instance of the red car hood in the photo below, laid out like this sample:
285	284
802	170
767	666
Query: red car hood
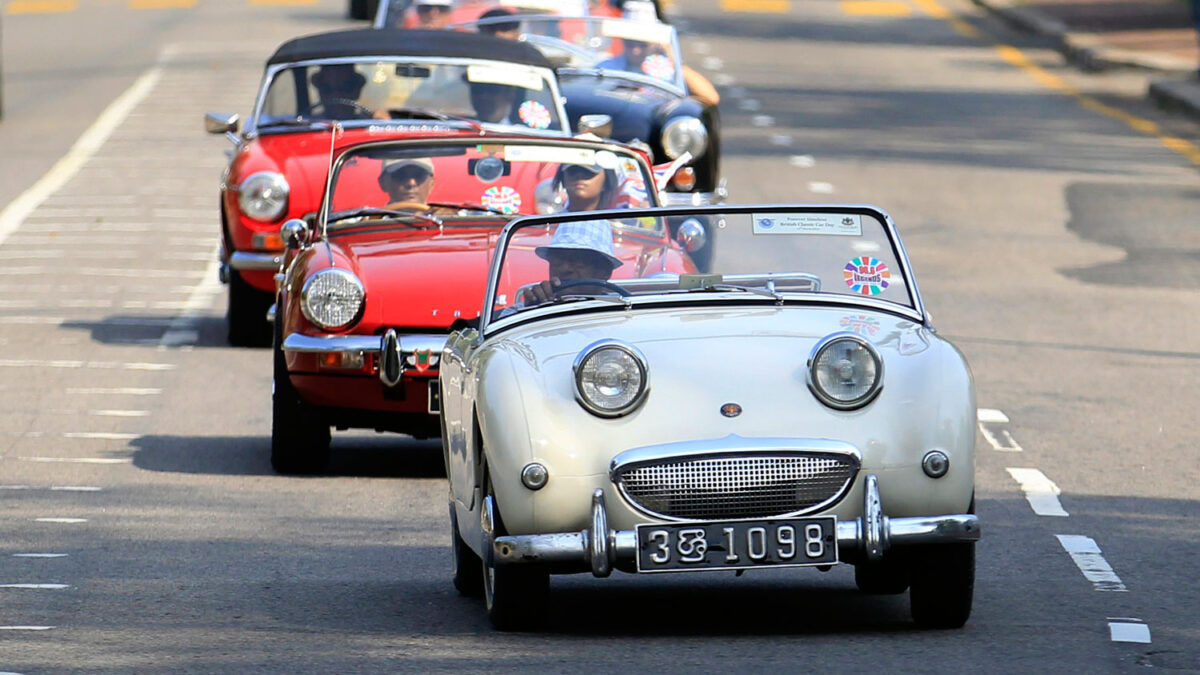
420	279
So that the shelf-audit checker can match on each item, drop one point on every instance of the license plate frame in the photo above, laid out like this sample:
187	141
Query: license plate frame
435	398
672	547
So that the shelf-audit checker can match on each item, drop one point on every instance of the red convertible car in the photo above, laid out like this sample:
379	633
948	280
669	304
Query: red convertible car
370	84
399	255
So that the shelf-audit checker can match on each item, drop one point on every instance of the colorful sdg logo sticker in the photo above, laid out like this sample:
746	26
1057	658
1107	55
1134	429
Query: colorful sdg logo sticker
866	275
502	198
534	115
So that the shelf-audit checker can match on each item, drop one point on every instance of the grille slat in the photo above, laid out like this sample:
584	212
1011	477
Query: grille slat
745	486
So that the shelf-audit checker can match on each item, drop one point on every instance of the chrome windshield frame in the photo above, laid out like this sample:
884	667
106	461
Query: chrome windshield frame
489	325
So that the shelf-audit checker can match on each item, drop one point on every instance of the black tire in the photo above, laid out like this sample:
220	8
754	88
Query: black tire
943	585
467	578
516	596
888	576
247	313
358	9
299	435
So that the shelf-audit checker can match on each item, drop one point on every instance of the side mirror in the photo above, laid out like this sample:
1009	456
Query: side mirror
691	235
294	233
221	123
600	125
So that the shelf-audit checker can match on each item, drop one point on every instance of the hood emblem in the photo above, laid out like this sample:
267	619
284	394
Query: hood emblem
731	410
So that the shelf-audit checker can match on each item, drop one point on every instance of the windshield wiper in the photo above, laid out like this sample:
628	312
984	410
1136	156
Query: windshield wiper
367	211
468	206
747	289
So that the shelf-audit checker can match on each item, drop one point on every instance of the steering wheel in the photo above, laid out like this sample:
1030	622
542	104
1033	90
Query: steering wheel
360	109
419	207
571	283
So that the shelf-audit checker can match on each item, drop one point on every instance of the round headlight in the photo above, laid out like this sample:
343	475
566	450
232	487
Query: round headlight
264	196
684	134
332	298
611	378
845	372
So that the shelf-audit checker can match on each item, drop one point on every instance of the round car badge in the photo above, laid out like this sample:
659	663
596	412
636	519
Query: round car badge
866	275
488	169
659	65
501	198
534	115
731	410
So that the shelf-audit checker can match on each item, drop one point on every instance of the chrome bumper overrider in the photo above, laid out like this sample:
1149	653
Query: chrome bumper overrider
243	260
872	534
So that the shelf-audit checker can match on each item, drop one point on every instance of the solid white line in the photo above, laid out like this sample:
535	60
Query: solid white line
1040	491
41	587
1086	554
991	415
66	521
88	143
39	555
1129	632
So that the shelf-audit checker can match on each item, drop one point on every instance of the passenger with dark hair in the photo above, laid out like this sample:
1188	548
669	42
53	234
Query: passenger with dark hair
589	187
509	30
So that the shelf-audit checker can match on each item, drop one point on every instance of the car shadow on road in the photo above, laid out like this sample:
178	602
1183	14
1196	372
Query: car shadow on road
382	456
153	330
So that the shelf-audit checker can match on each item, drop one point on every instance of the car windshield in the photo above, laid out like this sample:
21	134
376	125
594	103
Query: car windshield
642	50
486	91
430	183
405	14
770	254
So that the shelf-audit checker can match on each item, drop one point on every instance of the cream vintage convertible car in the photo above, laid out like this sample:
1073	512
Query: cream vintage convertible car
793	407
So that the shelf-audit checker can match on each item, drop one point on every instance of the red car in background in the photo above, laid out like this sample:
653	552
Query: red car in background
399	255
369	84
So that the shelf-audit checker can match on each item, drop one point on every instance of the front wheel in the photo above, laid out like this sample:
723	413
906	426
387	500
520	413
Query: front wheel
516	595
467	579
247	313
942	585
299	435
884	577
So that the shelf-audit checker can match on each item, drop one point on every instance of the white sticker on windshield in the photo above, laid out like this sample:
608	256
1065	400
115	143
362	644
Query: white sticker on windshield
513	77
638	31
549	153
808	223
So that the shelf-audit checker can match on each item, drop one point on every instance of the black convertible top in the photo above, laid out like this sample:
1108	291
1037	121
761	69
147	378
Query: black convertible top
404	42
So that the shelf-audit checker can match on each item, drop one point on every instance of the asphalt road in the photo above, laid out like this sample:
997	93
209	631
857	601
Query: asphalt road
1050	217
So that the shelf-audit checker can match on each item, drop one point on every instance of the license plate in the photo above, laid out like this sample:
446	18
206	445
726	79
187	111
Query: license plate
737	544
435	397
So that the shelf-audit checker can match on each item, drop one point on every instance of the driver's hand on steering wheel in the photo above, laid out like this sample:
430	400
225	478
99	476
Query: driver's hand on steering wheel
544	291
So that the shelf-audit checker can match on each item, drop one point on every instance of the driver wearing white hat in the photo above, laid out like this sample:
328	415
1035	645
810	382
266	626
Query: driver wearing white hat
579	250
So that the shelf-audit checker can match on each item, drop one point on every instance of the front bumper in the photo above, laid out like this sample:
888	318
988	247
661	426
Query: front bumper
395	353
601	548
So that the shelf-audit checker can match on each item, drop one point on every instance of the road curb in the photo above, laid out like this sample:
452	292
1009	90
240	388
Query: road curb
1087	51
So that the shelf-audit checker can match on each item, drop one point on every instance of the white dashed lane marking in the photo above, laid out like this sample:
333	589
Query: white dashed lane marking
61	521
78	460
1128	630
991	424
1086	554
1040	491
39	555
802	161
37	587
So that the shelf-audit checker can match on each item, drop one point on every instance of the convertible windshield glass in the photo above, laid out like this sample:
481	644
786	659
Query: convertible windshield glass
645	50
450	178
405	14
760	255
493	92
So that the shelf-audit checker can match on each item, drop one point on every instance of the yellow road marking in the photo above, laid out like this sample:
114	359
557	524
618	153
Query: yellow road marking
161	4
761	6
1018	59
40	6
876	8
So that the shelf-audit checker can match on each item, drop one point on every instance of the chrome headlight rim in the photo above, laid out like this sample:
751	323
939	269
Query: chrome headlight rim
828	399
590	352
268	208
319	321
684	134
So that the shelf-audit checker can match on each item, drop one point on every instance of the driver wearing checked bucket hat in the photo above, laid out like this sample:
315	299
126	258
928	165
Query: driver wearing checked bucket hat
579	250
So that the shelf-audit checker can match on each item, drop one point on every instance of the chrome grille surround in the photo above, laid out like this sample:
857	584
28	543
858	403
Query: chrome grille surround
758	482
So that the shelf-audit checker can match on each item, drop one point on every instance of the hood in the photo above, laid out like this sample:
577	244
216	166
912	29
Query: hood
420	279
637	111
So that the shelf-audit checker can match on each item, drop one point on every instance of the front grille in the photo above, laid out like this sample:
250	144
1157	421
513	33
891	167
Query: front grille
744	486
